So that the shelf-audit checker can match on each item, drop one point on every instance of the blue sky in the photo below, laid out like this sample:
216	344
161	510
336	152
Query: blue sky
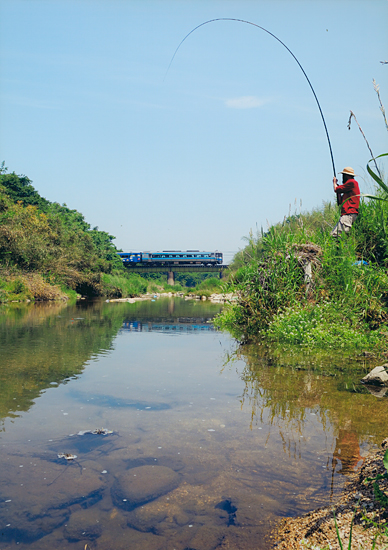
222	144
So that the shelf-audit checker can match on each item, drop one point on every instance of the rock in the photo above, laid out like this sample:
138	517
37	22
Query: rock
378	376
40	495
146	520
140	485
83	525
174	463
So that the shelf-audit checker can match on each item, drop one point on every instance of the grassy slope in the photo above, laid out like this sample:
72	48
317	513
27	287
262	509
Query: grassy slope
348	304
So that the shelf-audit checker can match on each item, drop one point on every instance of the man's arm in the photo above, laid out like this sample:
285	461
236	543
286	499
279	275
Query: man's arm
344	188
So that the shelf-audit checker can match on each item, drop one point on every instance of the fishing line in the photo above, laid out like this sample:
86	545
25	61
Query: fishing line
282	43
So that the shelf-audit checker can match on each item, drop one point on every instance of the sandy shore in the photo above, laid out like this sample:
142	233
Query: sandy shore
316	530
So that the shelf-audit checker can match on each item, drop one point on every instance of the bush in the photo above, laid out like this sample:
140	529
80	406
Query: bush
39	236
276	300
122	285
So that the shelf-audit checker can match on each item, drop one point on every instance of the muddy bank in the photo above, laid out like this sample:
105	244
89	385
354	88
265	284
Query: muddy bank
316	529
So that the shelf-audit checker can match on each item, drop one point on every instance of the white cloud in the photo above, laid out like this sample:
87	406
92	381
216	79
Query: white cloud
246	102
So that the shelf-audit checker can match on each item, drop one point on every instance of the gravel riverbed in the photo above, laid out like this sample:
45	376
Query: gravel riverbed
316	530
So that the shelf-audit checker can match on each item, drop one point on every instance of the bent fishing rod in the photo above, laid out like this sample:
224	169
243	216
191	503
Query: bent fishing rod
282	43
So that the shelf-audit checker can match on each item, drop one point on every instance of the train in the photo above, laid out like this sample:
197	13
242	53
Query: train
171	258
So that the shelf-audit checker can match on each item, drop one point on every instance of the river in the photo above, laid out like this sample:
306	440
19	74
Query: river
200	444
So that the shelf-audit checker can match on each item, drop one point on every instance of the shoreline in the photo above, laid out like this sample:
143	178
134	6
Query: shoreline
316	530
214	298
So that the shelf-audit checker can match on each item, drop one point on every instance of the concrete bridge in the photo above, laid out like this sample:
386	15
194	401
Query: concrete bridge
170	270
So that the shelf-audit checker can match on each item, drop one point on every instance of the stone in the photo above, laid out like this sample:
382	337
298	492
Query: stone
143	484
29	528
83	525
146	520
40	495
378	376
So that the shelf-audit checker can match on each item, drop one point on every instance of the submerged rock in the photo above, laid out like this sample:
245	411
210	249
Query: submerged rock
378	376
140	485
38	499
146	520
83	525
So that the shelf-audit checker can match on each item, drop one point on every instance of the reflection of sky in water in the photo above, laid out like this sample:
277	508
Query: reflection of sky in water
238	437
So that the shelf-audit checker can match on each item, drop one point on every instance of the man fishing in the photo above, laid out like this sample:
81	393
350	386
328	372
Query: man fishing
348	195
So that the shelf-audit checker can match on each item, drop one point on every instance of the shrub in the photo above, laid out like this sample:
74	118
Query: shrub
273	298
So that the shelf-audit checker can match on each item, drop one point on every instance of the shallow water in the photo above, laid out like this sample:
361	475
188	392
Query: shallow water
210	443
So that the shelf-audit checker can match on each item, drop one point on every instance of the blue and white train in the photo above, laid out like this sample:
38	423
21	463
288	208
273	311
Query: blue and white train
171	257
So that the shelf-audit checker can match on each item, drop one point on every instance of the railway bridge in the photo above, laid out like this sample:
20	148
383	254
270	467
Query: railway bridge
181	268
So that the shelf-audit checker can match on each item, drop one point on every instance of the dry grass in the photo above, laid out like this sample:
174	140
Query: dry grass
41	290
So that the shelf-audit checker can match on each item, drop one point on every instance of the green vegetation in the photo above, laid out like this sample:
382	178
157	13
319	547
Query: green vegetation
122	285
342	302
379	494
188	283
48	251
209	286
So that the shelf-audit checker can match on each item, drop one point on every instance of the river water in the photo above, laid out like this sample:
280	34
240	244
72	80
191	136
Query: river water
200	444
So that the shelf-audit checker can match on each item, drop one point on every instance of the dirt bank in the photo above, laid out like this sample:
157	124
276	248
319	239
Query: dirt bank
316	530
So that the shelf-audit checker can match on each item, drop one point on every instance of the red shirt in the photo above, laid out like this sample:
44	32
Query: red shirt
349	189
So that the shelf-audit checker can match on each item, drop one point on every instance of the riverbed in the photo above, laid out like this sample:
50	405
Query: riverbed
138	425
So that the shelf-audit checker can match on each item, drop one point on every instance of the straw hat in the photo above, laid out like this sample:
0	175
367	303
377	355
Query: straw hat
348	171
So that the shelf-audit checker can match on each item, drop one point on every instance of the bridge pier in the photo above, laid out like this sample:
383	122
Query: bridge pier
170	278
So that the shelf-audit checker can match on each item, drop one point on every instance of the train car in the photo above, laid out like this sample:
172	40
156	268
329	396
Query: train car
169	258
182	257
131	258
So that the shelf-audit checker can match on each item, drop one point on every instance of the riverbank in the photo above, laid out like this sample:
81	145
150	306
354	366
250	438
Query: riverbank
317	530
214	298
297	285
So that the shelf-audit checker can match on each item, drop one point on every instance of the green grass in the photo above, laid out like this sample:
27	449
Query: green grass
348	304
122	285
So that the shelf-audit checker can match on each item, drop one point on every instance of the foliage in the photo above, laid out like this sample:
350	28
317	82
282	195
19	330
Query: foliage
308	326
189	280
53	240
379	494
347	303
123	285
350	533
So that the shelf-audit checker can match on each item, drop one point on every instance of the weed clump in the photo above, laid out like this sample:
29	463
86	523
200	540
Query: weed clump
295	284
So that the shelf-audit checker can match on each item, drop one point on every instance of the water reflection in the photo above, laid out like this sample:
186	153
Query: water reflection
47	344
292	385
182	326
206	444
